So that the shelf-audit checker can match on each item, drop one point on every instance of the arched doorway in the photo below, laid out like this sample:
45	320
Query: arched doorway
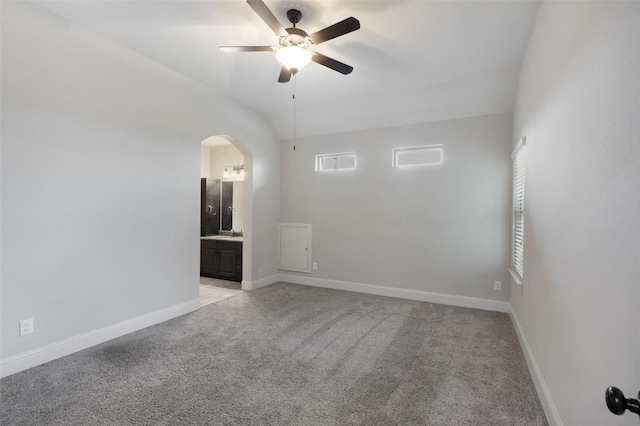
226	171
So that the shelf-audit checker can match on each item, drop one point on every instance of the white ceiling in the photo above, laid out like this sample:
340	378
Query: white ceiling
414	61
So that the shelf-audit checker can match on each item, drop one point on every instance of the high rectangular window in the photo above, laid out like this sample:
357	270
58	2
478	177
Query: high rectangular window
417	156
343	161
517	240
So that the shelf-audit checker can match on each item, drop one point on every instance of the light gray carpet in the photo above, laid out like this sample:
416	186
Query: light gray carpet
291	355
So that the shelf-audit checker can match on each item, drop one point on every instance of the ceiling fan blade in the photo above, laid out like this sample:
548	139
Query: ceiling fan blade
267	16
336	30
331	63
285	75
232	49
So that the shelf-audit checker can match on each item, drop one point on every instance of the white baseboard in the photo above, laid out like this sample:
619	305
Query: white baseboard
423	296
262	282
34	357
549	407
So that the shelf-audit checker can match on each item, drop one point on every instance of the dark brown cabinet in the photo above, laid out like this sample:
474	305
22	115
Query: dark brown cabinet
221	259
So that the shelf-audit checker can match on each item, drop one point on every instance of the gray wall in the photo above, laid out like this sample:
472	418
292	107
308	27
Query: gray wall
441	229
578	105
100	180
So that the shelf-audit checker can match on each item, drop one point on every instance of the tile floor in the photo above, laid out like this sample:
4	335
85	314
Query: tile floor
213	290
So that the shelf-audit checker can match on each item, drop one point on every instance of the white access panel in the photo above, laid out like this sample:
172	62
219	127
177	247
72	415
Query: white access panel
295	247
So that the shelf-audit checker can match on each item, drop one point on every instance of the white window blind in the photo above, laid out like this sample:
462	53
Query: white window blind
517	256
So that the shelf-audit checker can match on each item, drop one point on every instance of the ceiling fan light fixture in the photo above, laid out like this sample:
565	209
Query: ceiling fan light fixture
293	42
293	57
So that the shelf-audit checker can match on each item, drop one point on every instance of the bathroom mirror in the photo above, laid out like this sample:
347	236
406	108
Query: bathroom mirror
232	209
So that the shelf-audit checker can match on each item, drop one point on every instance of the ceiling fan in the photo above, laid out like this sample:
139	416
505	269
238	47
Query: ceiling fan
292	50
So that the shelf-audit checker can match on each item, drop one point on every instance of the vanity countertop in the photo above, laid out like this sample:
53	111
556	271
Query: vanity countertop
221	238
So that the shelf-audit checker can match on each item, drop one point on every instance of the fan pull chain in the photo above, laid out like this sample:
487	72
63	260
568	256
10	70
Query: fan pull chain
295	89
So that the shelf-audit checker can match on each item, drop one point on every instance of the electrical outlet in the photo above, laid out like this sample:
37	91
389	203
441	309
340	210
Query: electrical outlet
315	266
26	326
497	285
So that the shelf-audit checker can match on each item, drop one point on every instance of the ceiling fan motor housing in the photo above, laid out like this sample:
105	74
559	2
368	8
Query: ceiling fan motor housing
296	37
